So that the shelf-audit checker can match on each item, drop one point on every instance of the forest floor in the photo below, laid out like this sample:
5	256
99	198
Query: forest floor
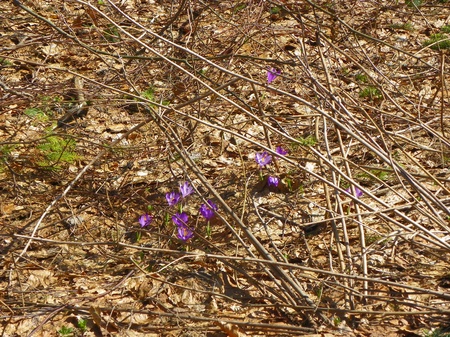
108	106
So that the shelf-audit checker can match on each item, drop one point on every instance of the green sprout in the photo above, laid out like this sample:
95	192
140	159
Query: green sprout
336	320
361	78
65	331
371	92
319	291
5	151
402	26
208	230
438	42
414	3
82	324
304	141
5	62
36	114
239	7
380	174
372	238
445	29
288	182
345	71
112	33
149	94
56	150
138	236
275	10
436	333
166	219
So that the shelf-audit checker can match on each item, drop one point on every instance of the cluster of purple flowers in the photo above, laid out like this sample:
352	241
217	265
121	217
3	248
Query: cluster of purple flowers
174	198
264	158
180	219
184	231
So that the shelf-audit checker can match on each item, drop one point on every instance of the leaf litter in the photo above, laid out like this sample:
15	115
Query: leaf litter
376	263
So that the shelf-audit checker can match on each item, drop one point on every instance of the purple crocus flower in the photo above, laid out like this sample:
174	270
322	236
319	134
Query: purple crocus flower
281	151
180	219
145	220
358	192
207	211
184	233
273	181
173	198
263	158
272	74
186	189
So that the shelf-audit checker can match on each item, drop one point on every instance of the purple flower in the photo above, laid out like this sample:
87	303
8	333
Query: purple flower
272	74
263	158
272	181
281	151
145	220
186	189
173	198
207	211
358	192
180	219
184	233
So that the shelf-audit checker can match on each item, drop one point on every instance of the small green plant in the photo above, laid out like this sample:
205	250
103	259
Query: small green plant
65	331
402	26
380	174
288	182
414	3
361	78
112	33
5	151
371	93
372	238
100	2
345	71
149	94
57	150
239	7
319	291
36	114
82	324
5	62
336	320
445	29
47	100
438	42
344	184
308	141
275	10
436	333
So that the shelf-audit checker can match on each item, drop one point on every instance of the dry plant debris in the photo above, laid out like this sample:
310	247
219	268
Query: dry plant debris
225	168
